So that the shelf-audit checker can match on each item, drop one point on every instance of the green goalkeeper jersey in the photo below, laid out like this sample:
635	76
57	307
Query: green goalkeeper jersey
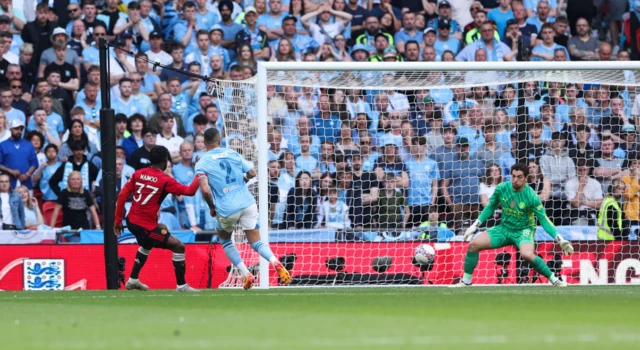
518	209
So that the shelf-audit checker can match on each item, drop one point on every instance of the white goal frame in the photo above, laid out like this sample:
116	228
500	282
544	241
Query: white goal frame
262	100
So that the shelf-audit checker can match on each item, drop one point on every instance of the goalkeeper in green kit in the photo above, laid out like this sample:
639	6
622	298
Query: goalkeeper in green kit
519	204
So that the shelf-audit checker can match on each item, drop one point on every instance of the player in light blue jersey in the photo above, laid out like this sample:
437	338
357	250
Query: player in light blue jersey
222	173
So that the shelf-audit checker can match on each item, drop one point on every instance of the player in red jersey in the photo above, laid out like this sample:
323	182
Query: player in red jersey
149	187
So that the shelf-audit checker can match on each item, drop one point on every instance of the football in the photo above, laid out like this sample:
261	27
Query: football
425	254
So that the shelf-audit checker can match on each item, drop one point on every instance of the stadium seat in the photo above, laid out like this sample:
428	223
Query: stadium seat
47	211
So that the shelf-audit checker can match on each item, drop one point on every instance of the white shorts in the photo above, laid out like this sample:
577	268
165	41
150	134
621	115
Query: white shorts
247	218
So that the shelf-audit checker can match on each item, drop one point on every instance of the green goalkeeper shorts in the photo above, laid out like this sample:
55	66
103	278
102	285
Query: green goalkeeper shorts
501	237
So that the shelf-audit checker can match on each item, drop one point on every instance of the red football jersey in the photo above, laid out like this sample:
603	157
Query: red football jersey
149	187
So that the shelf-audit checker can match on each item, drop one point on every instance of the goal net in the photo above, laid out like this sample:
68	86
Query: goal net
370	174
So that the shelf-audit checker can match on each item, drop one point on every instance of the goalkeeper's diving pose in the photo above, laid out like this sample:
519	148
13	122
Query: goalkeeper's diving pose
519	204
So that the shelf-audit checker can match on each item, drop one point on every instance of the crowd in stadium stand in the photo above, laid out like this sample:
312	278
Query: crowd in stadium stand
341	158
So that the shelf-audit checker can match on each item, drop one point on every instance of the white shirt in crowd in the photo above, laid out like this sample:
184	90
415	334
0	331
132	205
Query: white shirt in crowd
7	218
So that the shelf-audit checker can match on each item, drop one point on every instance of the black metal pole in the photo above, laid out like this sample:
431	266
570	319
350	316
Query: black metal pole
108	142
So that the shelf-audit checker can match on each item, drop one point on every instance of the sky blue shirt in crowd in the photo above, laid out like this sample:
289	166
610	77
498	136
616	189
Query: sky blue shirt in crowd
534	108
465	179
533	5
89	113
538	23
402	36
270	22
326	129
500	18
127	108
180	104
225	169
179	32
15	114
183	174
421	175
309	164
475	137
146	85
294	145
91	55
548	50
451	44
563	111
207	20
45	175
54	123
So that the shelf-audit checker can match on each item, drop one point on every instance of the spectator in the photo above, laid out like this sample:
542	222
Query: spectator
393	212
134	25
607	166
90	20
389	23
444	12
325	123
444	41
490	151
535	144
610	223
584	194
135	124
560	27
368	38
74	201
13	216
423	175
6	98
501	15
386	9
537	181
157	54
177	54
324	31
139	158
558	167
41	124
18	157
408	32
77	162
412	52
275	144
529	31
301	203
583	47
496	51
45	171
446	153
472	30
37	141
32	215
333	213
69	57
272	22
616	119
305	161
581	149
492	178
546	50
359	14
77	133
460	182
631	184
5	133
351	196
542	15
32	31
168	139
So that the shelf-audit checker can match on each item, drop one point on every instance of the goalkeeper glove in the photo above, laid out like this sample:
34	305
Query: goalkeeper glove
566	246
471	230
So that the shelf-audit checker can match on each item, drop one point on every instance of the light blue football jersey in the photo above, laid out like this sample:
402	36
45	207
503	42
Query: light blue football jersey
225	169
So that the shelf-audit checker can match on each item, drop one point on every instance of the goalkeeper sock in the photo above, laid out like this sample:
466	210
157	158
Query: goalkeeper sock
233	255
264	251
541	267
180	268
470	262
141	258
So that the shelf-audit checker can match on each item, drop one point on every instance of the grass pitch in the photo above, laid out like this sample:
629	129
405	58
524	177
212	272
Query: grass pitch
335	318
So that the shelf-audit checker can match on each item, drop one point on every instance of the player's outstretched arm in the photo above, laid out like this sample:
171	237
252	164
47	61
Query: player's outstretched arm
486	213
178	189
550	228
125	192
207	195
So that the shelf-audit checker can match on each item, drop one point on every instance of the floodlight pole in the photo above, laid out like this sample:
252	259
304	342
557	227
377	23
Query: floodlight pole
108	154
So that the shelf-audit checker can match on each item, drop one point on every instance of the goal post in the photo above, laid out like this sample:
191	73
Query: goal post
393	248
